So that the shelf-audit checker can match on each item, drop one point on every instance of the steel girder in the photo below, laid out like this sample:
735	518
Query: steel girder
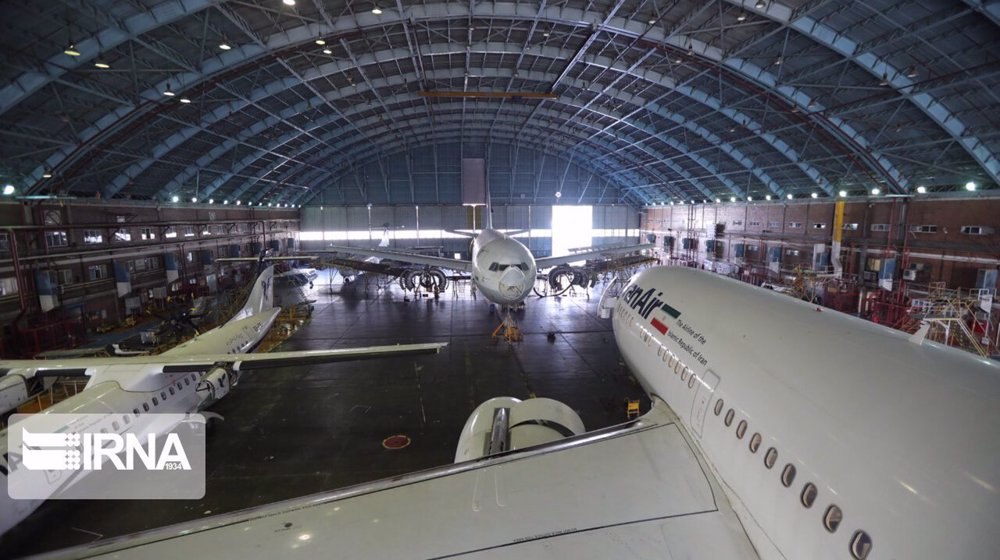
880	68
541	77
563	15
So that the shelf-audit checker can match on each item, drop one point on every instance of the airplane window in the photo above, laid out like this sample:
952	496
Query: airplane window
741	429
187	381
832	518
691	379
115	425
172	390
729	417
494	267
718	407
155	402
755	442
126	419
135	411
523	266
809	493
679	367
145	406
104	430
684	373
163	395
770	457
788	475
673	360
659	351
861	545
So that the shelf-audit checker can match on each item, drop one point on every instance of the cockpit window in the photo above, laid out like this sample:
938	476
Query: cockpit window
523	266
494	267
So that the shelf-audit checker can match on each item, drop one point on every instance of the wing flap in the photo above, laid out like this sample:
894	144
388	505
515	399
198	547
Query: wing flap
548	262
403	256
246	362
630	492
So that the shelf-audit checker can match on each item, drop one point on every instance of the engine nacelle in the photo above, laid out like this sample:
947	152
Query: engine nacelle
564	276
506	424
431	279
216	384
13	392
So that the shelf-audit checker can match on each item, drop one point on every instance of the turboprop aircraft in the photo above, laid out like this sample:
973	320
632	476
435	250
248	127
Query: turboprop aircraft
777	430
187	378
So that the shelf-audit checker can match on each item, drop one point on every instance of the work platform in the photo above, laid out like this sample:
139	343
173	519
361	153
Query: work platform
295	431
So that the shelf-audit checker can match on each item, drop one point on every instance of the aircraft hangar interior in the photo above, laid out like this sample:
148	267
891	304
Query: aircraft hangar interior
500	279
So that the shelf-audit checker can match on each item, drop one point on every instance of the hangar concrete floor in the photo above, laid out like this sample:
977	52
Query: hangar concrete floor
294	431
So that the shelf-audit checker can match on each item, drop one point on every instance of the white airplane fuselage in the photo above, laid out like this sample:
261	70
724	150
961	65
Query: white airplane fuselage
503	269
893	443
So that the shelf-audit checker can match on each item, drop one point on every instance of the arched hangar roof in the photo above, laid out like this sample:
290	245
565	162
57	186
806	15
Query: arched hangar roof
656	100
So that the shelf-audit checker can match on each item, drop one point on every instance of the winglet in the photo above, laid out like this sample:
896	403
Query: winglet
921	334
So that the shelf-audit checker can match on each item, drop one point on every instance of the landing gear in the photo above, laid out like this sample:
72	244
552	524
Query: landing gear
508	330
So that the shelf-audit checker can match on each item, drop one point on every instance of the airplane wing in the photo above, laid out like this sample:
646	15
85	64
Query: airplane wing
403	256
638	490
548	262
241	361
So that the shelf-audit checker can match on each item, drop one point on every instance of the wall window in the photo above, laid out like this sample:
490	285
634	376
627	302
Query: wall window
754	224
65	277
8	286
924	229
92	236
122	235
851	227
795	225
4	242
880	227
97	272
56	239
188	231
819	226
170	233
147	234
774	225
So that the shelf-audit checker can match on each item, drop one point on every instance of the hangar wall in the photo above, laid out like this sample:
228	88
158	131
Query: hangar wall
934	239
72	253
428	225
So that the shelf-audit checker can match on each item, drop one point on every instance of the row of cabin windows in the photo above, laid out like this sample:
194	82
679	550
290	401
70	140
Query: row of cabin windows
163	394
860	544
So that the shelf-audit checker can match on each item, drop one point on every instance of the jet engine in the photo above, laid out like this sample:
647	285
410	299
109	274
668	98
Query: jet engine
217	383
562	278
13	392
431	279
507	424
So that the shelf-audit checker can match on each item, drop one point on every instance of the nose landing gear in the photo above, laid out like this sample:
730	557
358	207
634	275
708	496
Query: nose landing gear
508	329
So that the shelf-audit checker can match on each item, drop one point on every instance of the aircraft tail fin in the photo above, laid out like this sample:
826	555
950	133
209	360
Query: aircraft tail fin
261	296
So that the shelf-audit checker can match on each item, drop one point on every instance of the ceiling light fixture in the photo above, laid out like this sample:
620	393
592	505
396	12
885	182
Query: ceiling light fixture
732	199
102	65
767	197
225	46
876	191
194	199
741	17
239	202
912	72
71	50
760	5
970	186
175	198
168	92
789	196
885	79
749	199
211	201
185	100
814	195
777	61
288	2
377	11
327	51
320	42
47	175
842	194
922	190
8	189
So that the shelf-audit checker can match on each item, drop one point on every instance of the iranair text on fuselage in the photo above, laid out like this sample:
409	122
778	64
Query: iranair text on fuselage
649	306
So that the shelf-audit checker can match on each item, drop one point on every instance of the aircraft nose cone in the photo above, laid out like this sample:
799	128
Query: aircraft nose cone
511	282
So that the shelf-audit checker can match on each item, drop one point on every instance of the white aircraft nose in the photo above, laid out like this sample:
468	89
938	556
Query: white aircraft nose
511	282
